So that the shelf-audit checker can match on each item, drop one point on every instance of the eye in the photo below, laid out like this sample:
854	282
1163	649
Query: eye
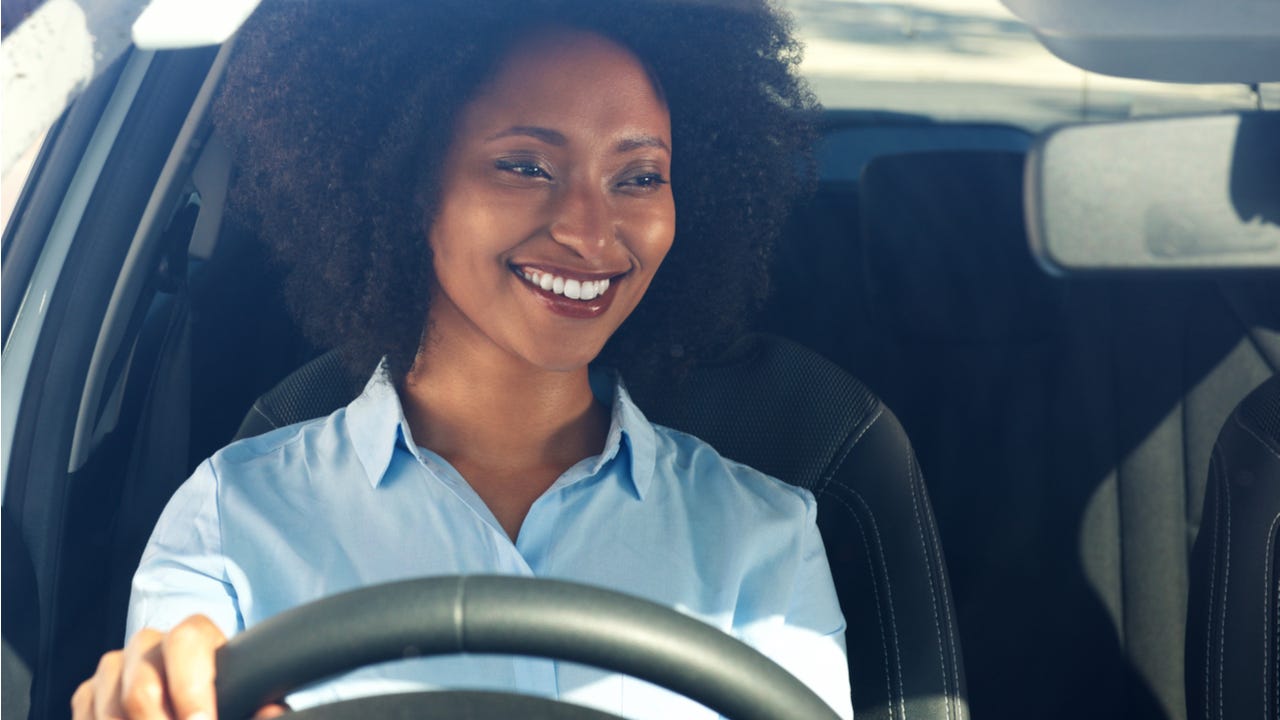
523	167
647	181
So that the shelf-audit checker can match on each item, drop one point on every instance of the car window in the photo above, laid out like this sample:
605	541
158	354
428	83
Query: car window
972	60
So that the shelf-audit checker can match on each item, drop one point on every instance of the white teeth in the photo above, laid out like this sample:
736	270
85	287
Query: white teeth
568	287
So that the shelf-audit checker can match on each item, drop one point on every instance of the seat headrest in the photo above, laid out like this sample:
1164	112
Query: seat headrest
947	258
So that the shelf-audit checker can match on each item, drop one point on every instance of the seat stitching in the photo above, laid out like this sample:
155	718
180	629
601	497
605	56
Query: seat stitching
884	641
1216	469
270	421
1226	580
1265	444
946	594
933	596
1266	616
888	588
848	449
942	585
916	475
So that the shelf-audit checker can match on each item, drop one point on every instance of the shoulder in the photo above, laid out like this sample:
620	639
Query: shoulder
285	446
692	467
373	413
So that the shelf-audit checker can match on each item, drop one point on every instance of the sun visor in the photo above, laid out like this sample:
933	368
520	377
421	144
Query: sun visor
1186	193
1193	41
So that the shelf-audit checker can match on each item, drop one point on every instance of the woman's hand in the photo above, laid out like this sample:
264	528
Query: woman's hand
158	676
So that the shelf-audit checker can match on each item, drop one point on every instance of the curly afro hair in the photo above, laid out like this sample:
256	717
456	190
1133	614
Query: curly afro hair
339	114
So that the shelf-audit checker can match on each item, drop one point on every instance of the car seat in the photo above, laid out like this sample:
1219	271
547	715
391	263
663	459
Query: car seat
1233	645
1064	425
784	410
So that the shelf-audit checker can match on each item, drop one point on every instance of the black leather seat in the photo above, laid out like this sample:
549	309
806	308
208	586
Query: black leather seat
781	408
1064	425
1233	644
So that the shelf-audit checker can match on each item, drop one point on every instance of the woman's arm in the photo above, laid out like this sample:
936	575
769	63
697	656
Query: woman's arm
182	609
809	641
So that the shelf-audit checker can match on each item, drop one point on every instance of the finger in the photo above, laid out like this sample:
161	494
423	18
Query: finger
142	678
82	701
270	711
106	687
189	667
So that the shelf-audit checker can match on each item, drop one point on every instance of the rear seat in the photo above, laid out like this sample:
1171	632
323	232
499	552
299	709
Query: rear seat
1064	425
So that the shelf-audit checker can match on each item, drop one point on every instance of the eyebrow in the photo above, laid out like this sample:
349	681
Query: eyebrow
641	141
556	138
546	135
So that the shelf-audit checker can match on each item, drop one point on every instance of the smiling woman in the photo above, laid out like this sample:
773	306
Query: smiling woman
556	171
474	200
740	123
558	176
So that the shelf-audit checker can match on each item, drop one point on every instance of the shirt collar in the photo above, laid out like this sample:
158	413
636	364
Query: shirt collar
375	423
627	421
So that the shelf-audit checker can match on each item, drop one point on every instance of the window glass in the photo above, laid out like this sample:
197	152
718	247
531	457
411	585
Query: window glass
973	60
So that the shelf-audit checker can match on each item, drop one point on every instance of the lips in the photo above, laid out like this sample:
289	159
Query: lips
570	293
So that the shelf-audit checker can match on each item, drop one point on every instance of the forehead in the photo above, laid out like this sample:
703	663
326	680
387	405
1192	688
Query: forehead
568	75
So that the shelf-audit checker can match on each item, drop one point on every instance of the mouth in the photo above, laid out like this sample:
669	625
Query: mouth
569	293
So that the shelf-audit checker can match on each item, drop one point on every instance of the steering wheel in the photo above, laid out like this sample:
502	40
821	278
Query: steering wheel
502	615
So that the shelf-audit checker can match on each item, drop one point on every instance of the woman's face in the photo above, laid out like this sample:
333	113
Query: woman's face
555	208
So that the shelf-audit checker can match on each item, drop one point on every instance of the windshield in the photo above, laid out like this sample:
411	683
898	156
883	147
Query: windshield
972	60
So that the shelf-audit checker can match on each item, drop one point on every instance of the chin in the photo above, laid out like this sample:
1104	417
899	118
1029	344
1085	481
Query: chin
559	360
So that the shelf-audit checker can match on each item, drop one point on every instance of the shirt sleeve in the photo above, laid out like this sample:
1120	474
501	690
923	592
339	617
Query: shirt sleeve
810	643
183	571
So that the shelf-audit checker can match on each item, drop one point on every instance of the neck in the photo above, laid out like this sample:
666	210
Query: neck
496	414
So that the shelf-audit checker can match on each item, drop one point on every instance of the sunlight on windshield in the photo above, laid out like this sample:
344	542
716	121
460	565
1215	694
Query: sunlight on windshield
971	60
13	180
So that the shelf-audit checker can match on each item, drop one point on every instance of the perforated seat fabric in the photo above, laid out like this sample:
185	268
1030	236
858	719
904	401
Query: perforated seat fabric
778	407
1233	640
313	390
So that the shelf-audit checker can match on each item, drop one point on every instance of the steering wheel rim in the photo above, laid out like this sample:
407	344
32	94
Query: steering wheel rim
512	616
454	704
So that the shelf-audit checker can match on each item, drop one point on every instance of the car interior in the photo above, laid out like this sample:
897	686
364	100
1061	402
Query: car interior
1027	503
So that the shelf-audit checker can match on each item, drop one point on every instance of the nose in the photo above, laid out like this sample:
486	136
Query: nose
583	220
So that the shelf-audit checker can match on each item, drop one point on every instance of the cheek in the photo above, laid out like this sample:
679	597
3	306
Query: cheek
442	226
654	242
462	234
461	213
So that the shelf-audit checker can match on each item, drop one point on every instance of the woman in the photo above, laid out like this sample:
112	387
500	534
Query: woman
491	204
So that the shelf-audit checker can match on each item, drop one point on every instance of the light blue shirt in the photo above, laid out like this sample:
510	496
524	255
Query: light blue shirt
349	500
